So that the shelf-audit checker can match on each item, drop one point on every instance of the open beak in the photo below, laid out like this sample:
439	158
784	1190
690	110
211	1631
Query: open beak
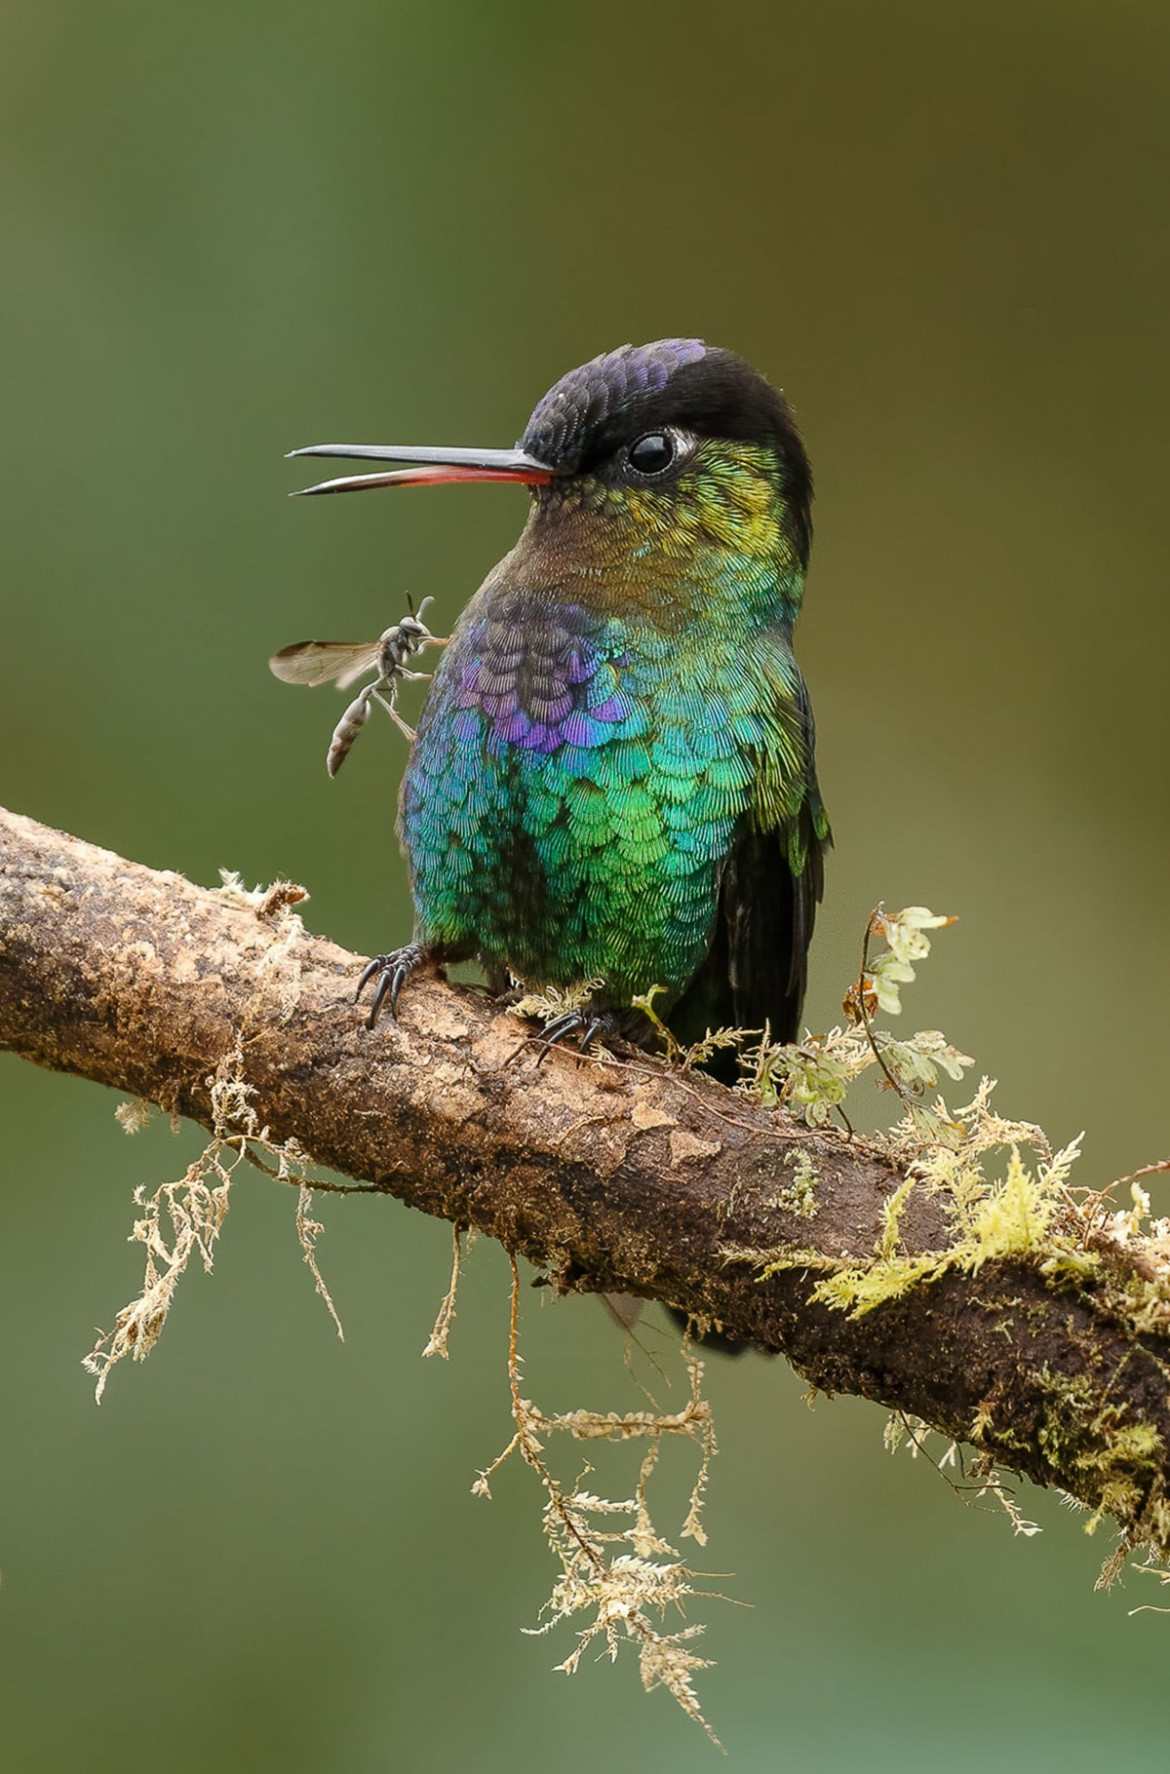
436	467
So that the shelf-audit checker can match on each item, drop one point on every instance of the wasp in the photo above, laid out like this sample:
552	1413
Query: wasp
344	662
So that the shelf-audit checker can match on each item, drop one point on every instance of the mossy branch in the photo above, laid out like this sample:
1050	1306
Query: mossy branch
1030	1323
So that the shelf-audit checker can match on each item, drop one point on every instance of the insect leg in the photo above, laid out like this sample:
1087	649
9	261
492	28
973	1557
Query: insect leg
376	692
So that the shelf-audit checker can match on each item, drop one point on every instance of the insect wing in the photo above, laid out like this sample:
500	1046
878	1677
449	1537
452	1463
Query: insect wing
322	662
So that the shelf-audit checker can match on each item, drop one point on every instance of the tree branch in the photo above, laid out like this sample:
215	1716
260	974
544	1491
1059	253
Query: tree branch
623	1177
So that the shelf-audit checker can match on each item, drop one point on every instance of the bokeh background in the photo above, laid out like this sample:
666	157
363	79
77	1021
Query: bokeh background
231	228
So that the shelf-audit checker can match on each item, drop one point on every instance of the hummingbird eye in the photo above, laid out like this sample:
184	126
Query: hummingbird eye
653	453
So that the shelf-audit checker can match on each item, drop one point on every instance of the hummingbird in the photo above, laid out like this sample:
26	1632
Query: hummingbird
612	788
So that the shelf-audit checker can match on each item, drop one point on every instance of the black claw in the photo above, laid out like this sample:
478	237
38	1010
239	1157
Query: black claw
584	1023
379	998
368	972
555	1032
391	972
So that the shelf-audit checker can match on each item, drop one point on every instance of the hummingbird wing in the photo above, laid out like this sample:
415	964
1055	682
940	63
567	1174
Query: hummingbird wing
756	968
769	911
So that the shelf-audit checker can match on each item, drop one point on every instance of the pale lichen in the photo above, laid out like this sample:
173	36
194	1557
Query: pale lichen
437	1341
799	1197
195	1207
182	1220
134	1115
812	1077
278	972
977	1481
622	1579
549	1005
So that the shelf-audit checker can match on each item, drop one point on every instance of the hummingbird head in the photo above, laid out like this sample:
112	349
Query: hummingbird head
667	448
676	436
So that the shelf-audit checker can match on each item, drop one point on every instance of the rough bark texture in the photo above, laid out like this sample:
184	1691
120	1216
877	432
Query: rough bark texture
627	1178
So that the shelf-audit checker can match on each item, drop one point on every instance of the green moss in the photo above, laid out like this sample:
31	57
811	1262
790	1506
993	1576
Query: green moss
1096	1449
1004	1220
1146	1303
1068	1262
1081	1246
799	1197
773	1262
859	1290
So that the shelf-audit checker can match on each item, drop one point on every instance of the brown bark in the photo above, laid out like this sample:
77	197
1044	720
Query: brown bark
627	1178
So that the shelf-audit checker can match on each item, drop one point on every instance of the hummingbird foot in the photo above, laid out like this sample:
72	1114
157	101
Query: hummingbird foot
585	1023
390	973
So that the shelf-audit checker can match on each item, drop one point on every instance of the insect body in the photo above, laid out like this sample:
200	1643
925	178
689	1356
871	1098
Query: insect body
343	662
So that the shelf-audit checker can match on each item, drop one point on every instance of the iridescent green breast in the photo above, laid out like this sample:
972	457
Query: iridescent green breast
578	782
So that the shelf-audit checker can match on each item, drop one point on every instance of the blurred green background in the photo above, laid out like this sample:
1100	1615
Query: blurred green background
234	228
